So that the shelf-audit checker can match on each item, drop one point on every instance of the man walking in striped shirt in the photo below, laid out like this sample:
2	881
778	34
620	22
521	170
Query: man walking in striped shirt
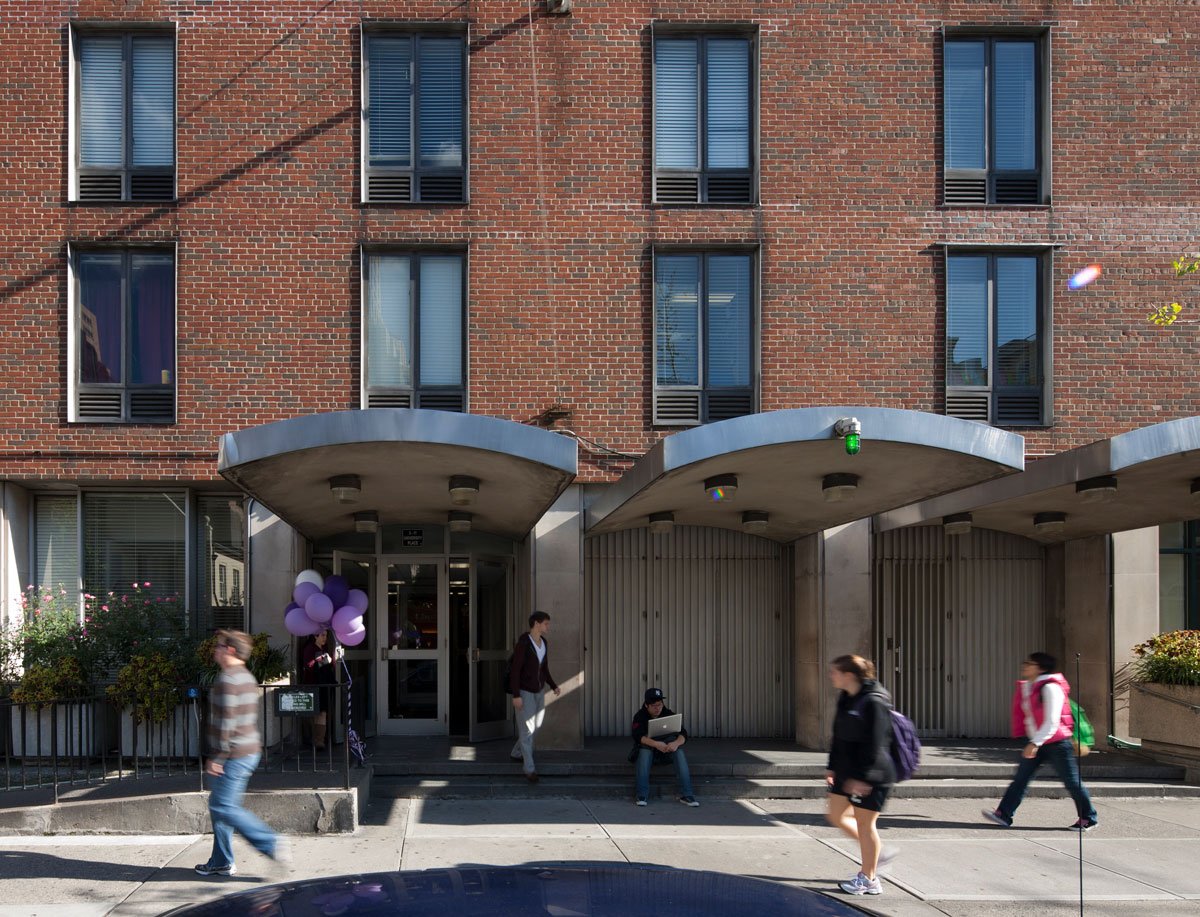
236	749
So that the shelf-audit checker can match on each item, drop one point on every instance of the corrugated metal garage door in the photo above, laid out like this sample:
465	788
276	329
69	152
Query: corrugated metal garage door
704	614
955	616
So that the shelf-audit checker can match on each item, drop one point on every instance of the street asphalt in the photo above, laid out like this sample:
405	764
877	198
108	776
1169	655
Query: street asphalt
1139	862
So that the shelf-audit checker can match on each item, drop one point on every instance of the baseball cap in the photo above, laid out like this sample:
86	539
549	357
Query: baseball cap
653	695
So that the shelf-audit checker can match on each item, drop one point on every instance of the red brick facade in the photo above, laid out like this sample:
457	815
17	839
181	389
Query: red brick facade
559	226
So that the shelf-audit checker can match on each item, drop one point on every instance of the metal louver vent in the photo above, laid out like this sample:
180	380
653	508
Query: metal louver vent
152	406
389	400
100	405
724	405
973	406
728	189
100	187
152	187
389	189
677	408
966	191
1018	410
441	401
676	189
1017	190
441	189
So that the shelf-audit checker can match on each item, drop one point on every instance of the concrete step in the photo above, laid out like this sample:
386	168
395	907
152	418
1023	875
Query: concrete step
516	787
1100	771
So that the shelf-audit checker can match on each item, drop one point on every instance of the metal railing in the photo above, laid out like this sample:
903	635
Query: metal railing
89	740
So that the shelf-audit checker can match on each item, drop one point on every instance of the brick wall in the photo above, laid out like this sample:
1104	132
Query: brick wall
268	221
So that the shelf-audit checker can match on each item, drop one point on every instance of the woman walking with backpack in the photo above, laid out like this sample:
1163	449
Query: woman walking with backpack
860	771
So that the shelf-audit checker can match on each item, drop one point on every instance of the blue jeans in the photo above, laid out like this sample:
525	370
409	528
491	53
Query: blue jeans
225	809
1061	756
682	775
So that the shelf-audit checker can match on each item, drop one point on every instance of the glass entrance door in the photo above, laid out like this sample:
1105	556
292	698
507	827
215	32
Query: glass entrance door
412	684
490	644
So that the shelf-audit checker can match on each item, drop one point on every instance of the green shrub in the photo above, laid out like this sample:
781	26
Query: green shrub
41	684
149	685
1172	658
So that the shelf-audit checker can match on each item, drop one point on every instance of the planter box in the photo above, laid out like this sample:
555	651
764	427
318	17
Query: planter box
178	737
77	734
274	729
1167	720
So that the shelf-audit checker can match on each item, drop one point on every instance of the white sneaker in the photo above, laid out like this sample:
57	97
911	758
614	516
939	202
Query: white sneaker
283	851
641	801
861	885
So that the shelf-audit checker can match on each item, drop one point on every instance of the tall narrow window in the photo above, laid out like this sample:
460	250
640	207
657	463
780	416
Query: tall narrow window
125	335
415	330
703	336
996	334
219	546
994	100
1179	575
703	112
56	536
414	123
125	116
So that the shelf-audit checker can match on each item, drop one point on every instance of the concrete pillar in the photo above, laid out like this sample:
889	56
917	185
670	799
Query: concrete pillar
16	567
1086	627
808	673
1135	611
276	555
833	609
558	591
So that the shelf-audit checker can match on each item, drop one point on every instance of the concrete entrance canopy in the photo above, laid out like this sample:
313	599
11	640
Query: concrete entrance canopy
1154	469
404	460
781	459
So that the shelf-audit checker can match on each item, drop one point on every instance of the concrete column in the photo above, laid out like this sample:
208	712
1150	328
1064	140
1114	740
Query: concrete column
16	567
558	591
833	617
276	555
808	666
1086	627
1135	610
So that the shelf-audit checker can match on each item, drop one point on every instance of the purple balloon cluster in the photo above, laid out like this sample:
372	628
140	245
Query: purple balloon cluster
326	602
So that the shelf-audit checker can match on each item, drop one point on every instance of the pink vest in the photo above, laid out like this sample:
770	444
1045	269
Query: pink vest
1066	722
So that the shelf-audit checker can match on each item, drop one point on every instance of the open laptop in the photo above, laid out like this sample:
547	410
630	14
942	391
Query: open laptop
665	727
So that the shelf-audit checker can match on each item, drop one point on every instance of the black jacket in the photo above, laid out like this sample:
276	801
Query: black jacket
862	736
641	724
525	673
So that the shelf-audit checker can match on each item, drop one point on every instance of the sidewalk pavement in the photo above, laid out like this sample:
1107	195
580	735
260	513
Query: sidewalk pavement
1139	862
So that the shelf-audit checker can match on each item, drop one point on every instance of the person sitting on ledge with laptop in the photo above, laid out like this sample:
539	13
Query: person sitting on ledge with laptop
658	737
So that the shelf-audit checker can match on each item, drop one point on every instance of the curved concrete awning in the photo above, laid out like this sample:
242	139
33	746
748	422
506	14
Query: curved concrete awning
404	459
1154	468
781	457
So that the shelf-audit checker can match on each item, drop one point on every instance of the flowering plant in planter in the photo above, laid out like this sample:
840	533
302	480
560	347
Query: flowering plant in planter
149	685
1172	658
44	684
138	622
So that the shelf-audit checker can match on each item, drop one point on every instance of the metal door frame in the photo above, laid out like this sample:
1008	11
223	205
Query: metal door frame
498	729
